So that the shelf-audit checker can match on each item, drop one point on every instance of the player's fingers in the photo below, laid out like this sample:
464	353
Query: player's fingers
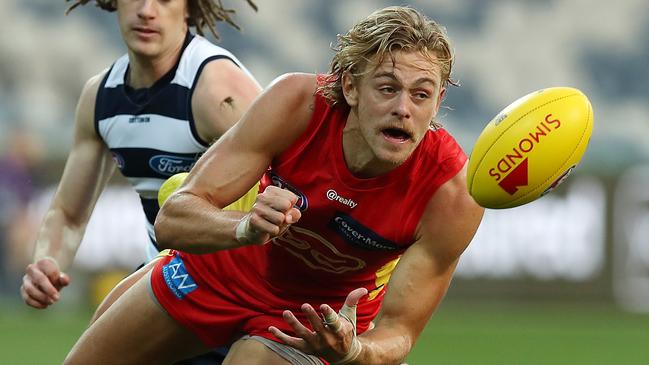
64	280
42	282
331	318
31	293
292	216
277	198
34	303
299	329
354	296
294	342
312	316
262	214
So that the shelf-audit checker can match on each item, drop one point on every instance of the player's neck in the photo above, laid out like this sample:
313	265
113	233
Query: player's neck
145	71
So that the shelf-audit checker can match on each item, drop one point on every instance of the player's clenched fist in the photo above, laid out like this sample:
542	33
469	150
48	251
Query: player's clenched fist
273	212
42	282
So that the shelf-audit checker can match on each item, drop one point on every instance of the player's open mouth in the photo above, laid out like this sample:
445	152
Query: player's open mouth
396	135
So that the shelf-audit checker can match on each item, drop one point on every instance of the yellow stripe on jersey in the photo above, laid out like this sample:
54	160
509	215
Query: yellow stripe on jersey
382	277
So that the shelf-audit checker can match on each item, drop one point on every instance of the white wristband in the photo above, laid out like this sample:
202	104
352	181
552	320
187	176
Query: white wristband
353	353
241	232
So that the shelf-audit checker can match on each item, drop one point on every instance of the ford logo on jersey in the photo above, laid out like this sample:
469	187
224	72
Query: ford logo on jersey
170	165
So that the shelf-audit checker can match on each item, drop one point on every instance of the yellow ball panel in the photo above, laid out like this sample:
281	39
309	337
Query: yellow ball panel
528	146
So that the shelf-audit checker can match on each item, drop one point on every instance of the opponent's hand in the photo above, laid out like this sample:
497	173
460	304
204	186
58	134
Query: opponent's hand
42	283
333	338
270	216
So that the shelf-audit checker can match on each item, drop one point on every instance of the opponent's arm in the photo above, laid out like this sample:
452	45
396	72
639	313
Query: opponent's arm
223	93
423	274
88	168
192	220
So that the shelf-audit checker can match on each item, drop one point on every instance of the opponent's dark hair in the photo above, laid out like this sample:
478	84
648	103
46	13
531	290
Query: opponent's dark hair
202	13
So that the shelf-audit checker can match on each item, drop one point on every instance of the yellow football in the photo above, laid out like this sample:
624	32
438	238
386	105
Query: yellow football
530	147
172	184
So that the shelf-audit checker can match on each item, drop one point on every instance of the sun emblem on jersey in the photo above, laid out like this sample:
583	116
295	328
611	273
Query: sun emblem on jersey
317	252
302	202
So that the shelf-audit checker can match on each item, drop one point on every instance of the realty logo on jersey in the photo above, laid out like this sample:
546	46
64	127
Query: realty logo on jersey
511	171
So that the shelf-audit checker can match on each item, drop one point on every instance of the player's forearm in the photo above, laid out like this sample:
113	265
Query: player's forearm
58	239
189	223
384	346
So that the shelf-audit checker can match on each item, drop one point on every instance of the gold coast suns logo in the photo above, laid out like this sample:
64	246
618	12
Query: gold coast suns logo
316	252
511	171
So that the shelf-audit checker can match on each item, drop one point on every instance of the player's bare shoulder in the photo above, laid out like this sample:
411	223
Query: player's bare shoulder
87	100
298	89
451	216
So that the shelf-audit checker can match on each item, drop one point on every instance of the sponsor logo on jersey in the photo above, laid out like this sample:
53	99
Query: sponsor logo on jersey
170	165
138	119
333	196
511	171
119	160
178	280
302	202
358	235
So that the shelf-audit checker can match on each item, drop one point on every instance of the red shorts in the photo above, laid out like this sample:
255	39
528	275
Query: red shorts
209	309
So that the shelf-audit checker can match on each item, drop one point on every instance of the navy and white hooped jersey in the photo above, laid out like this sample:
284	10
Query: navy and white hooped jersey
151	132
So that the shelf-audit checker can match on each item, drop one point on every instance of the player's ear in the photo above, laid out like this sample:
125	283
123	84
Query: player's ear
350	91
440	99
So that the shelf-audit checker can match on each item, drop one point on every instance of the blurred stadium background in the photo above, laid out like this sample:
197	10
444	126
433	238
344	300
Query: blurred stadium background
564	280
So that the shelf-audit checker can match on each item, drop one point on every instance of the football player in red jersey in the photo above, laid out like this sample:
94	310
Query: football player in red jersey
363	186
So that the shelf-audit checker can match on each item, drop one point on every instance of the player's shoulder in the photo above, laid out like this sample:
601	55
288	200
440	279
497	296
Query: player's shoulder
296	86
92	85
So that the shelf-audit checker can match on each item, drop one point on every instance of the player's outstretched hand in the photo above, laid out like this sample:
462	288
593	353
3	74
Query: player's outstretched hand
333	338
273	212
42	283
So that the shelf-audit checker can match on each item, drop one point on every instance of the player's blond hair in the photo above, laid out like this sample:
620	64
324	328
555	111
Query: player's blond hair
202	13
382	33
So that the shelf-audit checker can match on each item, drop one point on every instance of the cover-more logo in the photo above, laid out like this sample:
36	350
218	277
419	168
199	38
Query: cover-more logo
511	171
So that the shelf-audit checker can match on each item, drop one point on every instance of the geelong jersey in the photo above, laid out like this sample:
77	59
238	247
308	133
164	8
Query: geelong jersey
151	132
351	233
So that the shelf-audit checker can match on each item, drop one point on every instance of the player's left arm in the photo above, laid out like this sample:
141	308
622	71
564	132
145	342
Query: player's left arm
416	288
224	91
423	274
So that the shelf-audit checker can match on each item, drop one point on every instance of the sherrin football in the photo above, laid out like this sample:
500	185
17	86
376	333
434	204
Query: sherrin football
530	147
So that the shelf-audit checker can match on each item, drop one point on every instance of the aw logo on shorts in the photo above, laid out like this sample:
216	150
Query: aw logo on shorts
178	280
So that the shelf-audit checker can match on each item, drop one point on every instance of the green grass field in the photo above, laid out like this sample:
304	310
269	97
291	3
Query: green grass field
460	333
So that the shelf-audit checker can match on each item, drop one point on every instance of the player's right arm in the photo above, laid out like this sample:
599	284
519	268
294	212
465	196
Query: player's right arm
88	168
193	219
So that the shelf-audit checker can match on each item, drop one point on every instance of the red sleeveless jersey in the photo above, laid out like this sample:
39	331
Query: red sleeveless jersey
351	233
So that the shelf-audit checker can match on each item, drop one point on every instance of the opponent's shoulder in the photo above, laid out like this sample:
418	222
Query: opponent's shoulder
89	91
87	101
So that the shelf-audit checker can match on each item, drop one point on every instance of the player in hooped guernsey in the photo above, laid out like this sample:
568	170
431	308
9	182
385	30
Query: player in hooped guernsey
151	132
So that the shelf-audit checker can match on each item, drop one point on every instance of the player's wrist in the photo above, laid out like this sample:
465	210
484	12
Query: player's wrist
245	234
354	350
